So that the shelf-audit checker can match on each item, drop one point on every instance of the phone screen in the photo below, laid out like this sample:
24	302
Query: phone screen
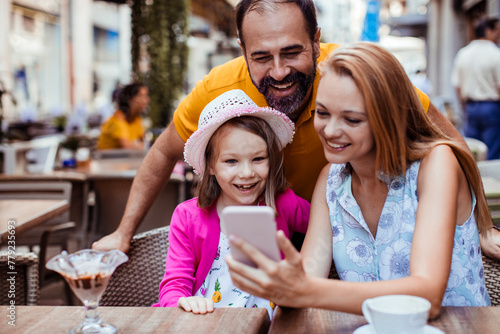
256	225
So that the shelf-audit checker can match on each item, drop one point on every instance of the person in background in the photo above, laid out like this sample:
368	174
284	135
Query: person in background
396	207
237	153
124	128
476	78
281	50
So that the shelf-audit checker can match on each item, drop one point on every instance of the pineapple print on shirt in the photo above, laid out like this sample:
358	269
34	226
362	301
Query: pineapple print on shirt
216	297
219	287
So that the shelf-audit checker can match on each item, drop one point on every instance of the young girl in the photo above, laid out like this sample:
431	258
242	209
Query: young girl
237	152
396	207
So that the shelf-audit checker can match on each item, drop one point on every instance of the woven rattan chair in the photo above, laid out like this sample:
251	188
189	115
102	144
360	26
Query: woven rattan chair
136	282
492	278
25	287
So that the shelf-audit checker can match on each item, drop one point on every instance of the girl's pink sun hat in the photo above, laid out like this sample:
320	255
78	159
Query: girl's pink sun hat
233	103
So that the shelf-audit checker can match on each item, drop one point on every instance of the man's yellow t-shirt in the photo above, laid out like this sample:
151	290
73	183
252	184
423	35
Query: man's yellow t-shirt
117	127
304	157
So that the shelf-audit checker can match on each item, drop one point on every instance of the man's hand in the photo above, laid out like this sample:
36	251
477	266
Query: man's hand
197	305
490	243
115	240
151	177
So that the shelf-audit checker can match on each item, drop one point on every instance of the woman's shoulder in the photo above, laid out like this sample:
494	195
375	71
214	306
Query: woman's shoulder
118	115
438	166
118	118
439	158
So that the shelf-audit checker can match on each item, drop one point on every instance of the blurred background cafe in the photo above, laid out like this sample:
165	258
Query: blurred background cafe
63	64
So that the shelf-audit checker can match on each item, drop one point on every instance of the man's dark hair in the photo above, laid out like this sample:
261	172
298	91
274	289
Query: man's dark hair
306	7
483	24
126	94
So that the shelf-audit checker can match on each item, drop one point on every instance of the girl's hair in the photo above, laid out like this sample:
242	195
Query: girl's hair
208	189
401	129
126	94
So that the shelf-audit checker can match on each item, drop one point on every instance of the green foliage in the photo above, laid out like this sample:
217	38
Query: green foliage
162	26
72	143
60	122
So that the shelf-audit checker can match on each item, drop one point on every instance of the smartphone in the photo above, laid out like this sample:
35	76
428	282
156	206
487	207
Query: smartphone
256	225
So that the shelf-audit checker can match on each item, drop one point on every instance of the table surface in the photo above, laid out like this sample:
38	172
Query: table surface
112	167
119	168
467	320
96	169
28	213
60	319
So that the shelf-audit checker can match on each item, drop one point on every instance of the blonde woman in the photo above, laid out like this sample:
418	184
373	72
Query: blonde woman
396	206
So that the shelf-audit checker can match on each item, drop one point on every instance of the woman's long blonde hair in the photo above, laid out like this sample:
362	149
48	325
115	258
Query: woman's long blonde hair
402	131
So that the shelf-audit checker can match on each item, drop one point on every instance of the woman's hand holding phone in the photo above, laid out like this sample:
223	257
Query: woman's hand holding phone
256	225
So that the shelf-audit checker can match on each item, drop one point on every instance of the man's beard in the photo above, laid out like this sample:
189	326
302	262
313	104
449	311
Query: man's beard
290	104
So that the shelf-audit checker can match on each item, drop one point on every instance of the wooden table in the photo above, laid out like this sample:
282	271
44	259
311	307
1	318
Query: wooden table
60	319
121	168
28	213
466	320
116	167
103	173
79	192
111	180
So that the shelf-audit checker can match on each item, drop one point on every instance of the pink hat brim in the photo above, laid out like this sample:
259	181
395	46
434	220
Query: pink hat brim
194	149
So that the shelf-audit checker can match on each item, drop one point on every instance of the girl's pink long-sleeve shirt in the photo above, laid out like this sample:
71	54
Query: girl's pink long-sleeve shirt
194	237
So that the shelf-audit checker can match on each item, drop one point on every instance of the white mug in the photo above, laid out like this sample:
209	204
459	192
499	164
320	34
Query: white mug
397	314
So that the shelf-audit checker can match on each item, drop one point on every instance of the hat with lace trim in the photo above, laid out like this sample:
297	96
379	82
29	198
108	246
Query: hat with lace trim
231	104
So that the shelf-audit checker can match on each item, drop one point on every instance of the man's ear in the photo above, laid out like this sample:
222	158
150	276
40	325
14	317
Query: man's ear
317	37
241	46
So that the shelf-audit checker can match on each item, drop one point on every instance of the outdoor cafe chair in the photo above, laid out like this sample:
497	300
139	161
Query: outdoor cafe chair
136	282
492	279
25	286
52	233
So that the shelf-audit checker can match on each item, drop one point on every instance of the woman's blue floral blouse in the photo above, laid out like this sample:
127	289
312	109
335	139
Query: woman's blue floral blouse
361	258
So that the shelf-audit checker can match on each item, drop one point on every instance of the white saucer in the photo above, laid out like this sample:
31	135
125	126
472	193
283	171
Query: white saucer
367	329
